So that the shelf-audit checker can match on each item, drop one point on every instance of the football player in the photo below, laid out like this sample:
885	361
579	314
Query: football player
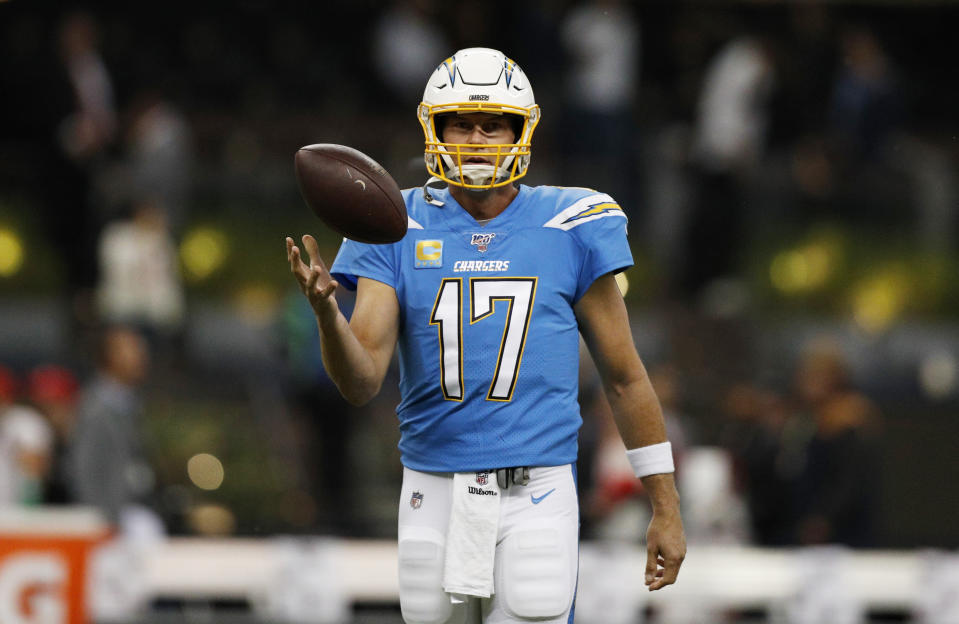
486	297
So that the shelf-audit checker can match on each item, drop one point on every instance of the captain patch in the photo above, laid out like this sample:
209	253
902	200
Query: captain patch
429	254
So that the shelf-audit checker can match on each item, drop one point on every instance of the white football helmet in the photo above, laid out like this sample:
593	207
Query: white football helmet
478	80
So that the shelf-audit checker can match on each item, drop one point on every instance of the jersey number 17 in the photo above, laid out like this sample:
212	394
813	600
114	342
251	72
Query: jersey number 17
448	314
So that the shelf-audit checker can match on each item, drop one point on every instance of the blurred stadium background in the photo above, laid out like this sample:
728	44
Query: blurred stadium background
790	172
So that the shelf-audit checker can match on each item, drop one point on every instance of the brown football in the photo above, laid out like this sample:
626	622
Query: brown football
351	193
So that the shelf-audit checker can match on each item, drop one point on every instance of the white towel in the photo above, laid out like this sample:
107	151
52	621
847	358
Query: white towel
471	537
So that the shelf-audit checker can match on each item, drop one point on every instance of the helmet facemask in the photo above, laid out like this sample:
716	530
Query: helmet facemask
447	161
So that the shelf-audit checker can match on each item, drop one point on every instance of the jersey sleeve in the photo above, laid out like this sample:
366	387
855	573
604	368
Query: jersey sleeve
599	225
356	260
606	250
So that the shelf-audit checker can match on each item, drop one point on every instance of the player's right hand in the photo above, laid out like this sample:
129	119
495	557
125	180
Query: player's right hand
314	278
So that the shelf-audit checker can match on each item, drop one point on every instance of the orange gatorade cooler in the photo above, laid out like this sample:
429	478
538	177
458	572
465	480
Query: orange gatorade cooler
43	563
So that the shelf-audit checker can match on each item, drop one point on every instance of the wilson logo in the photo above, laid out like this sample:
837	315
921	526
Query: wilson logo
480	491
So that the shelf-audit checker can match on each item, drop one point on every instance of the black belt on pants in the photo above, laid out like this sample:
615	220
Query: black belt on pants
518	475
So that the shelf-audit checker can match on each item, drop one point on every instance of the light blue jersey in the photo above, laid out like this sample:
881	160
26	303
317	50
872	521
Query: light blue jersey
488	342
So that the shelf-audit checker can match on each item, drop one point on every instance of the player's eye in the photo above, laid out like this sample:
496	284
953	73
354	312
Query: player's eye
494	126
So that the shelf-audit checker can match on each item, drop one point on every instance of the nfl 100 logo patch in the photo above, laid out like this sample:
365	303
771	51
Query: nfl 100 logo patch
482	478
416	501
482	241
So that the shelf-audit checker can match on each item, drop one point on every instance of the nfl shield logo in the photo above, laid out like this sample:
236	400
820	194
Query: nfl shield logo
417	500
482	478
482	241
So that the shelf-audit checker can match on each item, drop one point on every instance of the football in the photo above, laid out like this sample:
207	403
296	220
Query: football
351	193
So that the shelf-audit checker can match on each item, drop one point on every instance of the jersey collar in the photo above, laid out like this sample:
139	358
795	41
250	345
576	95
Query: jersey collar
457	217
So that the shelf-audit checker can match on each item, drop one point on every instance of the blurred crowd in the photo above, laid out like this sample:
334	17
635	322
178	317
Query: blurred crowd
62	442
714	126
794	465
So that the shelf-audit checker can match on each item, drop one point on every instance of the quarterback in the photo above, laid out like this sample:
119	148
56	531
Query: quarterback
485	298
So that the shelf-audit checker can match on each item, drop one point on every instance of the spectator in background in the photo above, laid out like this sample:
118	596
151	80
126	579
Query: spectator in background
866	105
93	124
140	282
406	43
601	39
865	114
887	173
83	120
755	426
160	156
108	466
407	40
26	440
729	138
838	477
52	389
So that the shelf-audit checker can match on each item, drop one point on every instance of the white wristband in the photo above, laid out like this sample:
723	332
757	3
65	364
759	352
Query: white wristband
652	459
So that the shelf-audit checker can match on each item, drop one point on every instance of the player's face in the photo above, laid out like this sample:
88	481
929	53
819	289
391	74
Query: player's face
478	129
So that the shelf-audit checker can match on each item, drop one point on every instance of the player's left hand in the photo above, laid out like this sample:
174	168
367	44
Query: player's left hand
665	548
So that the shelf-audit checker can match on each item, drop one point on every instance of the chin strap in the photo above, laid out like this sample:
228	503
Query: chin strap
433	183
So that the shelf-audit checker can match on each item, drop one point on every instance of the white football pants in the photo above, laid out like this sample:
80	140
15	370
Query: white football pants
536	561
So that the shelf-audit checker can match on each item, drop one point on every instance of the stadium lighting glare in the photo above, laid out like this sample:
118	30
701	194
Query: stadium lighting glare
879	301
211	520
203	252
205	471
11	252
788	272
939	375
803	270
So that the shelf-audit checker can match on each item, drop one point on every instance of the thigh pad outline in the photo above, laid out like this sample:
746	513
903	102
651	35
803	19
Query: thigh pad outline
535	576
422	599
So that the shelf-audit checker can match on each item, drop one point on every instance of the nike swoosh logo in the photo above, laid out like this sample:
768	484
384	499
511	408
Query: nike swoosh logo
539	499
